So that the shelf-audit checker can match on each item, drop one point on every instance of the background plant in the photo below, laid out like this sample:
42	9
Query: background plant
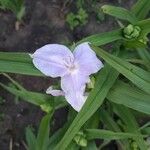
120	96
16	6
81	16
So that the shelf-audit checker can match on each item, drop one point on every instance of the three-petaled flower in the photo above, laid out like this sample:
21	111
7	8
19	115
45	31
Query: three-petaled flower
57	60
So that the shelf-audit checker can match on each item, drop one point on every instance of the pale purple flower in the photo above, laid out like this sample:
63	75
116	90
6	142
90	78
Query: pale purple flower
57	60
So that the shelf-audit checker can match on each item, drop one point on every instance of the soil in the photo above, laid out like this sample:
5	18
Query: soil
43	23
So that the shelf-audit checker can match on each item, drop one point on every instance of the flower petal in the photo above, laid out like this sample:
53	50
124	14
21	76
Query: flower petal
53	92
51	59
86	59
74	87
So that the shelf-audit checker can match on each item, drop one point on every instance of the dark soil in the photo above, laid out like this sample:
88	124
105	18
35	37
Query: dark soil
44	22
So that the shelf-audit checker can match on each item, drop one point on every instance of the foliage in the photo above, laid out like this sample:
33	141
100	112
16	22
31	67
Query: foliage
120	96
84	9
42	140
2	101
75	20
16	6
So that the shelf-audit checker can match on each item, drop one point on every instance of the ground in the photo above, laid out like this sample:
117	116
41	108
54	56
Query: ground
44	22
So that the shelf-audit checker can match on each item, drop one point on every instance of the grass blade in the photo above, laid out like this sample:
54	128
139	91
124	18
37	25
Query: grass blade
30	138
38	99
112	125
120	13
131	124
124	94
106	79
43	133
144	54
15	56
138	76
20	63
107	134
31	97
15	83
145	27
141	9
19	68
103	38
91	146
54	139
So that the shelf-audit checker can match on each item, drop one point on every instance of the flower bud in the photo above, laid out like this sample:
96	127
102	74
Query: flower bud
134	145
91	84
46	107
131	31
80	139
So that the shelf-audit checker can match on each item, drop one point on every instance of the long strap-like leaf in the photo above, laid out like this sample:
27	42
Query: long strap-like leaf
106	79
132	97
138	76
141	8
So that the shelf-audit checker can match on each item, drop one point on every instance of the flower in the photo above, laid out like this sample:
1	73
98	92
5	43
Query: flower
57	60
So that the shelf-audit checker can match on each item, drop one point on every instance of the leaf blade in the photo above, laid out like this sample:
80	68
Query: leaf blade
107	77
136	75
131	97
141	9
30	138
120	13
43	132
103	38
131	124
108	134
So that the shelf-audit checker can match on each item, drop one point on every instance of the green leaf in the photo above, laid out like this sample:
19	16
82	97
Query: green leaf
108	121
141	9
138	61
103	38
54	139
145	125
31	97
15	83
15	56
145	27
19	68
43	133
120	13
124	94
20	63
112	125
131	124
144	54
16	6
107	134
73	146
138	76
39	99
30	138
91	146
146	130
106	79
132	44
21	13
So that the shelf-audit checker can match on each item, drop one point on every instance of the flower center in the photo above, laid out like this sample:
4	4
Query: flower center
72	68
70	65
